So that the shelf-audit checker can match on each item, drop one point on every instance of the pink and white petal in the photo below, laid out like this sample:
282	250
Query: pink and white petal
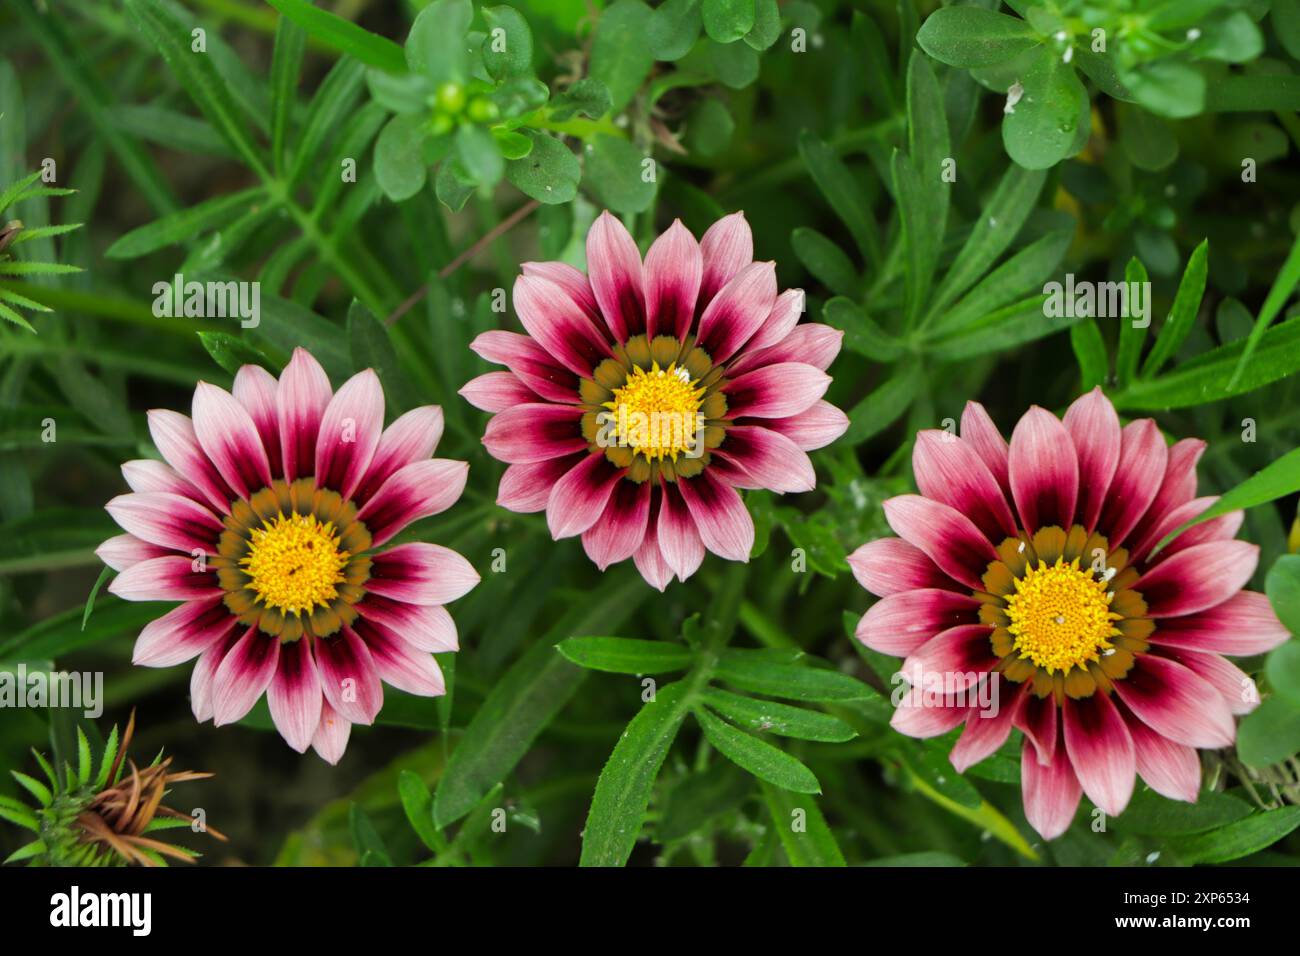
1198	578
619	532
331	737
571	280
1094	428
738	311
891	565
986	733
919	714
578	499
421	573
961	655
349	433
171	578
530	433
771	459
173	434
949	470
244	675
526	488
775	391
301	399
811	343
1100	750
1142	459
1050	792
124	550
649	559
813	428
900	623
148	474
1242	626
183	633
425	627
678	537
411	438
1037	718
255	389
978	429
532	363
167	520
1177	487
720	516
294	695
1236	686
415	491
726	248
205	668
565	332
1044	471
948	537
1176	703
231	441
399	664
1170	769
673	269
615	273
1222	528
348	676
497	391
780	322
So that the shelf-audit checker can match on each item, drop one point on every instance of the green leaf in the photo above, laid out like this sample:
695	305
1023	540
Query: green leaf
625	655
184	224
83	758
702	797
757	672
549	173
26	852
1283	588
328	110
417	804
1283	286
1147	139
727	20
734	64
927	139
782	719
106	761
674	28
1284	671
966	37
767	25
843	194
437	47
1027	270
1182	315
399	92
231	351
371	347
369	844
400	168
1010	326
104	575
453	185
16	813
1239	839
883	406
926	858
620	56
622	793
479	155
1090	353
1168	88
1044	127
826	261
34	787
343	35
1150	813
801	828
1270	733
1131	335
757	756
588	96
861	333
286	62
614	174
508	46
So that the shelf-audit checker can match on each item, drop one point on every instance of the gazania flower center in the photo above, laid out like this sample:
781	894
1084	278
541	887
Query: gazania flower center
1060	616
295	563
657	413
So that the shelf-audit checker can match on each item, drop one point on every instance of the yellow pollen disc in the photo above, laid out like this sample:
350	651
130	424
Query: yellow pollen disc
654	413
295	563
1060	616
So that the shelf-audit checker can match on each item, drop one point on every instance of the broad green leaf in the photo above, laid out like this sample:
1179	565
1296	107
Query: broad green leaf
1150	813
549	173
588	96
184	224
622	793
767	25
781	719
231	351
758	757
615	174
508	46
1239	839
757	672
343	35
801	828
734	64
620	56
1168	88
1270	733
1283	588
479	155
625	655
1148	140
1182	315
967	36
674	28
1043	127
727	20
400	169
1284	671
417	804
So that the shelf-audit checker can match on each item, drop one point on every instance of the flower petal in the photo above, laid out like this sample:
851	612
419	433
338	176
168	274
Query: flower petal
961	655
978	429
294	696
923	715
148	474
614	270
301	399
738	311
622	527
1100	750
497	391
1037	718
578	499
1050	792
985	732
1234	684
900	623
399	664
775	391
532	363
205	669
529	433
949	470
1170	769
674	267
720	516
649	558
1094	429
425	627
415	491
245	673
891	565
678	537
421	573
1044	471
1142	459
183	633
814	427
771	459
1198	578
1176	703
255	389
167	520
348	677
173	434
331	737
349	433
1243	625
572	281
411	438
121	551
170	578
525	488
726	248
780	323
566	333
947	536
1177	487
229	438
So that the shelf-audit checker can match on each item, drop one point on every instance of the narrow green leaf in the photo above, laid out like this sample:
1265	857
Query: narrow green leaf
756	671
826	261
1010	326
1239	839
782	719
1283	286
34	787
801	828
758	757
625	655
344	36
417	804
286	61
883	406
1090	353
1187	302
84	763
861	333
842	193
184	225
1131	335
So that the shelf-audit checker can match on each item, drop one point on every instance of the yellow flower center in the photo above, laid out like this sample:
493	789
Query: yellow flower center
656	413
295	563
1061	616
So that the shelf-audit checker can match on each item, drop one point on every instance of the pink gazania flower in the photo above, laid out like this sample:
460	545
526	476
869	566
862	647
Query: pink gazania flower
1029	566
268	521
645	394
